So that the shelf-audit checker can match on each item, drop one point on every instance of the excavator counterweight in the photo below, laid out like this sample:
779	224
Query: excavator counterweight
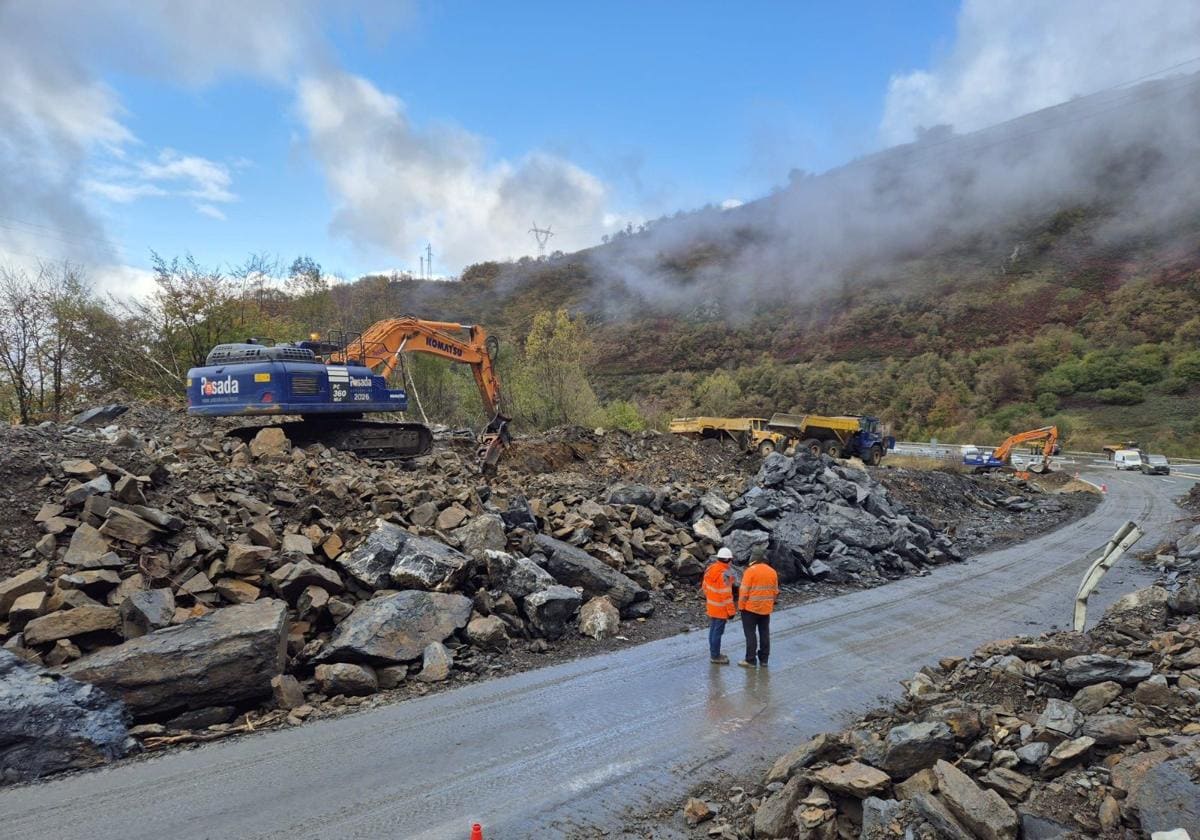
331	387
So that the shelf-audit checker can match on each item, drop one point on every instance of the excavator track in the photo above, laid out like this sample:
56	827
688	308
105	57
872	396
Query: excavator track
365	438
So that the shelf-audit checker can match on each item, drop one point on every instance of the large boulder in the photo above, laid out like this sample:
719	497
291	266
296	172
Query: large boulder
1169	797
914	746
550	610
346	678
572	566
982	811
63	624
371	562
516	576
391	556
1097	667
482	533
1186	599
742	542
223	657
397	628
49	722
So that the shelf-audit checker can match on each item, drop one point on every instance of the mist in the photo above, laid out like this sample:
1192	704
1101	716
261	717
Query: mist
1129	155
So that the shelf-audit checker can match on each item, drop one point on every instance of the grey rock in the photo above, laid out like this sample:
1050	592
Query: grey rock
572	566
914	746
146	611
101	415
1097	667
1169	797
226	656
775	816
624	493
202	718
551	610
516	576
1034	827
1186	599
371	562
1110	730
49	722
396	628
877	814
821	748
741	543
935	812
422	563
482	533
984	812
1033	753
1061	717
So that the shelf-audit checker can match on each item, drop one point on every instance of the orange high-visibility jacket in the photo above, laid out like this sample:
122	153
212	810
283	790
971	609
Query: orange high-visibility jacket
718	590
760	588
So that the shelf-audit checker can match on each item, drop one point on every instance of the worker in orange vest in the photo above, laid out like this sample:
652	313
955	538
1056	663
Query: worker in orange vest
719	585
756	600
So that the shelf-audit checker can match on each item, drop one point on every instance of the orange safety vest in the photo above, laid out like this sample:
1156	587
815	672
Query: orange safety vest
718	590
760	588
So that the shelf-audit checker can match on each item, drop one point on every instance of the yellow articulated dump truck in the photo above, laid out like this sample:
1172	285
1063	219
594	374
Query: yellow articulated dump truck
749	433
838	437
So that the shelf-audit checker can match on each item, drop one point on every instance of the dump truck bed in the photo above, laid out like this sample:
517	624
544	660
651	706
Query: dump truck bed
699	425
802	422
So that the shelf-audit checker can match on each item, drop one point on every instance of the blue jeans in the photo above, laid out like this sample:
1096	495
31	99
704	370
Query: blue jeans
716	629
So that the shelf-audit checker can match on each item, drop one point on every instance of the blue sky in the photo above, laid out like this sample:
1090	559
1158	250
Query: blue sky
357	132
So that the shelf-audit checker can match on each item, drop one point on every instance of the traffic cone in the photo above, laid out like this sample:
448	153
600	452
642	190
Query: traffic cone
476	832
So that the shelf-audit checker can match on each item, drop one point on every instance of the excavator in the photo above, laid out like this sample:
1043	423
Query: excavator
1001	456
332	384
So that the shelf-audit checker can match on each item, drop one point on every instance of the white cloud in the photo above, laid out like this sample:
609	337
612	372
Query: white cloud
730	203
124	282
1011	57
210	211
398	185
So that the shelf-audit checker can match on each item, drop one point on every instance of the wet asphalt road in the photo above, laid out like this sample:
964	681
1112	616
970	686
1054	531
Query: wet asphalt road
551	753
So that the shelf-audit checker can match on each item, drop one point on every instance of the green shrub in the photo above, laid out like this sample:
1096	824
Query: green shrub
621	414
1175	385
1127	393
1047	402
1187	366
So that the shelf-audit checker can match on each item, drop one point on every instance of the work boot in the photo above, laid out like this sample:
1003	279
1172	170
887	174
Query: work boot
720	660
746	664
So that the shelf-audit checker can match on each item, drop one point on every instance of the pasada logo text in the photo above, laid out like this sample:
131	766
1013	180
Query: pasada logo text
218	387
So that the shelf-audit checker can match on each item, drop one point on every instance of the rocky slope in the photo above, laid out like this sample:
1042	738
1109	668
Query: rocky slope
215	587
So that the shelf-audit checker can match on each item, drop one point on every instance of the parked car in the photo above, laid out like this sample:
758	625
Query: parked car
1155	465
1127	459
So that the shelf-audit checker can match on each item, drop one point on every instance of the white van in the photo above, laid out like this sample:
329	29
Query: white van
1127	459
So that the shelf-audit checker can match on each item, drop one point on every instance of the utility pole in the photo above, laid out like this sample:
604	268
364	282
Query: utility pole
542	235
422	258
429	259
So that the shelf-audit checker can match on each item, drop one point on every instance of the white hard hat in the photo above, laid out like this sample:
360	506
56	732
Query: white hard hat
724	554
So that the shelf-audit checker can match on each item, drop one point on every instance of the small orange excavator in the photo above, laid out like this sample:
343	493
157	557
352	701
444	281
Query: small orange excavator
331	384
1001	456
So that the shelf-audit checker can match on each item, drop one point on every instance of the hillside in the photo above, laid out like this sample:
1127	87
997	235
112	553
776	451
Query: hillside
1047	269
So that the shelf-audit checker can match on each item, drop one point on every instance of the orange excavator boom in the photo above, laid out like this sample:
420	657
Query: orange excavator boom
380	345
1049	434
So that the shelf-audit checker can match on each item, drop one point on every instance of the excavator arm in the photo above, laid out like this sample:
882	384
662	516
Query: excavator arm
380	346
1047	433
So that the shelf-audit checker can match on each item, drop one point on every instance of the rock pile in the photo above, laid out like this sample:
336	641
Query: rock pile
1062	735
819	519
199	578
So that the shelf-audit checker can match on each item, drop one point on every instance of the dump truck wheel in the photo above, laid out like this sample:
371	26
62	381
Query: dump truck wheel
833	448
766	448
812	445
743	441
874	456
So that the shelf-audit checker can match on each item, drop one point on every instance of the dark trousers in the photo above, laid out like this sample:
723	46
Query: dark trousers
716	629
758	636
